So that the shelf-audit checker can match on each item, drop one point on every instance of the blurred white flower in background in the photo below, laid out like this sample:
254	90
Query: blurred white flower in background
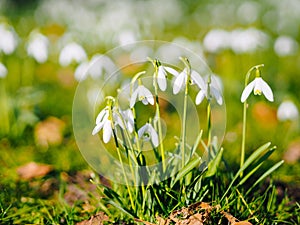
3	71
95	68
285	46
72	52
81	71
8	39
216	40
248	12
287	110
248	40
37	47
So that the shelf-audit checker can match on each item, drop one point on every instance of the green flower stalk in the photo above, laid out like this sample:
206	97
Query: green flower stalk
259	86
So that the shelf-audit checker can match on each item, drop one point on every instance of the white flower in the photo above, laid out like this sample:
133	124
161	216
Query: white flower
258	85
181	79
72	52
38	47
143	94
3	71
8	40
147	133
287	110
129	119
214	91
162	76
103	121
81	71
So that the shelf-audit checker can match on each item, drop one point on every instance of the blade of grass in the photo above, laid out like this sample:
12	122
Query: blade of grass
267	173
214	164
186	169
250	160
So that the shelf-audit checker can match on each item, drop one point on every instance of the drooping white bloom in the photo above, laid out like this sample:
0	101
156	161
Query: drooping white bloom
3	71
128	118
81	71
214	91
38	47
162	76
285	46
147	133
72	52
8	39
287	110
103	121
259	86
143	94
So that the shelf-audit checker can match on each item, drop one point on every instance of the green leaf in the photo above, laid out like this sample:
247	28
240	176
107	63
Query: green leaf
267	173
214	164
257	165
186	169
247	163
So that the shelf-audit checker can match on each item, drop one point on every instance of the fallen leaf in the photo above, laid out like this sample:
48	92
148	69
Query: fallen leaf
98	219
33	170
49	132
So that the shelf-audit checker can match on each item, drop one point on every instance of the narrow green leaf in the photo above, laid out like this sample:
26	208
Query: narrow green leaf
118	206
257	165
214	164
186	169
251	159
267	173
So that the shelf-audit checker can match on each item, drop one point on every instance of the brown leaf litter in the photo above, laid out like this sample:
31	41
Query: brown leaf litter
195	214
33	170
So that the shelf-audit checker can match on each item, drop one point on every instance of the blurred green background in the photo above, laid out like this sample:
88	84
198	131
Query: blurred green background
43	45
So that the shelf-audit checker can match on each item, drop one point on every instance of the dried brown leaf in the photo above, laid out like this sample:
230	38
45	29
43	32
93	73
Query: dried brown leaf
33	170
98	219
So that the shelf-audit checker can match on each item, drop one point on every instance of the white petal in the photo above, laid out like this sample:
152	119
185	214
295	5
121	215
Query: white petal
147	94
107	131
97	128
257	86
196	77
133	97
200	96
267	91
171	71
153	135
215	92
142	130
161	78
179	82
247	91
101	115
118	120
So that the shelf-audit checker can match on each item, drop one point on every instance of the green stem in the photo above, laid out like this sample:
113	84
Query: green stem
162	150
245	117
243	135
123	170
186	92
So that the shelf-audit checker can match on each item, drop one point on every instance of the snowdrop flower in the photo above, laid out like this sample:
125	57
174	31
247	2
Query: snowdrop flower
259	86
213	89
147	133
8	40
128	118
287	110
181	79
81	71
285	46
143	94
104	121
3	71
38	47
162	76
72	52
